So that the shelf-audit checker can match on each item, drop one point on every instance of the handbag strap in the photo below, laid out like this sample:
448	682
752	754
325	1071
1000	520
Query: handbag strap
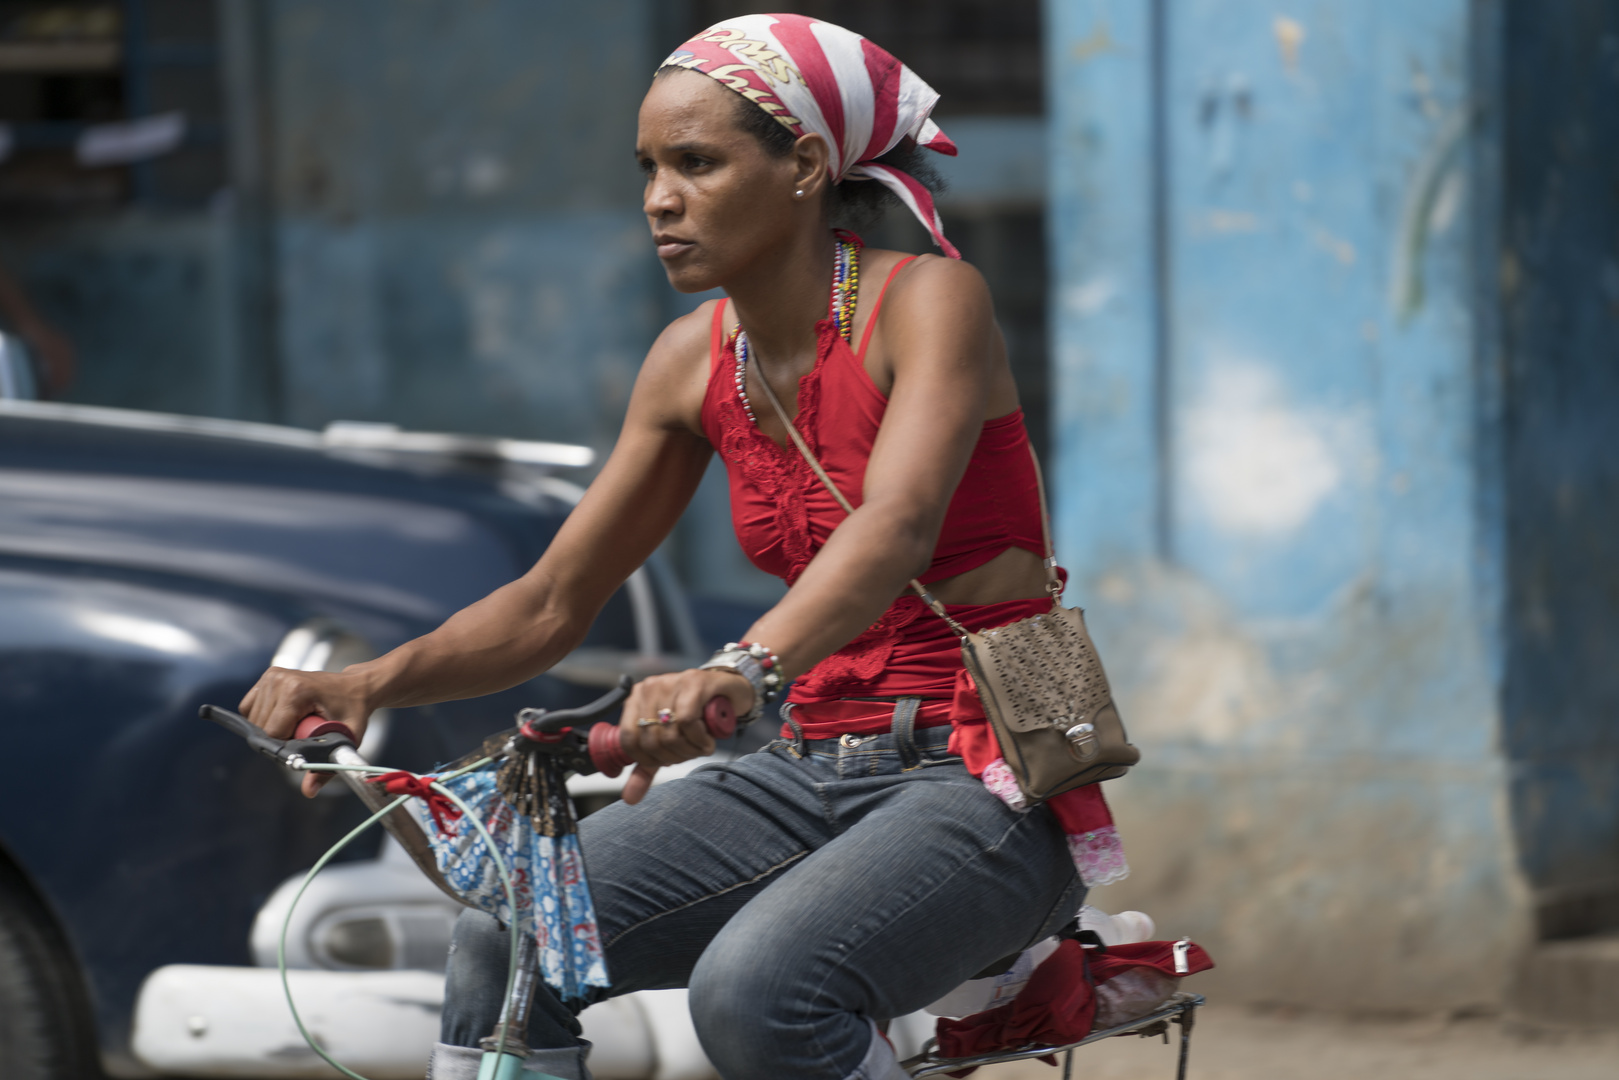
1053	582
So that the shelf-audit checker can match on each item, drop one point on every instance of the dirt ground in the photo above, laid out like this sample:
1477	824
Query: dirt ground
1232	1043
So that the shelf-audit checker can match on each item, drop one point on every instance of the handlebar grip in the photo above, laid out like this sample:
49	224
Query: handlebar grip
607	745
315	725
719	715
607	749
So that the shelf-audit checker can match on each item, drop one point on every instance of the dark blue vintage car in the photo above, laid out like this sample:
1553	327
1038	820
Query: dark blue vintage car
149	564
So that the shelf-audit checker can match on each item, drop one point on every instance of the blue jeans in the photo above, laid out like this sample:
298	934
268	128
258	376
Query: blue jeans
798	891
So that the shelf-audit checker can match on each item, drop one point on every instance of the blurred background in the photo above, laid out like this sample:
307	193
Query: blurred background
1313	306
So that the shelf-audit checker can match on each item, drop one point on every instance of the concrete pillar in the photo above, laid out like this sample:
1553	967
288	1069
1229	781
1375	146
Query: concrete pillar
1282	485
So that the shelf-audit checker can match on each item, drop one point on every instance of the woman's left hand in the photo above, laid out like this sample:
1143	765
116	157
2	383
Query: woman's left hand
673	730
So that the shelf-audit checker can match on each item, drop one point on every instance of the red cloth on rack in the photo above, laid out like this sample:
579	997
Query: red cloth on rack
1055	1008
1059	1004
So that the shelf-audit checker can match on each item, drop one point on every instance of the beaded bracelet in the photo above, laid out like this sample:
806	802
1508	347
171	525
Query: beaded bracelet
755	663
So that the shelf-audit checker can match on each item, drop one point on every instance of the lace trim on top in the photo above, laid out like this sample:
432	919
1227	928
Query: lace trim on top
859	665
1098	853
779	472
784	477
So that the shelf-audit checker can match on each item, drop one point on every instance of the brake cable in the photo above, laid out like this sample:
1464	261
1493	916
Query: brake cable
500	866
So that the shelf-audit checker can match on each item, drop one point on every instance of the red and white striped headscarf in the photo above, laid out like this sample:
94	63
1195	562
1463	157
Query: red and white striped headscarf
813	76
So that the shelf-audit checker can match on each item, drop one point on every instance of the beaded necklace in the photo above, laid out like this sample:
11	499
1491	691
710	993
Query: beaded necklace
845	292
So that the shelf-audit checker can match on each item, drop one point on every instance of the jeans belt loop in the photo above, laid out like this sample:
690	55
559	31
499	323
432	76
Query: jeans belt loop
799	749
905	711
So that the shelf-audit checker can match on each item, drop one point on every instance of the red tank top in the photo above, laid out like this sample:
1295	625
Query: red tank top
782	515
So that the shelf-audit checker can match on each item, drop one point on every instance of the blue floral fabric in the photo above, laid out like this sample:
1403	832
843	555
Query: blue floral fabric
547	874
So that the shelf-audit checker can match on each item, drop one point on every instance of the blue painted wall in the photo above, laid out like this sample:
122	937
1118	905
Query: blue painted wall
1279	478
433	219
149	300
458	242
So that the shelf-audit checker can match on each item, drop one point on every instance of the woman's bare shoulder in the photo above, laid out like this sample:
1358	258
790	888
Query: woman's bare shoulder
912	286
932	293
687	336
674	377
934	277
938	320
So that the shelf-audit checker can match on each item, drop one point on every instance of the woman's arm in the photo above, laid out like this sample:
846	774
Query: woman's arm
525	627
947	371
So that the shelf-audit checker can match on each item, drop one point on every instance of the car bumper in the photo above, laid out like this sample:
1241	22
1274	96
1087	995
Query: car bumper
195	1020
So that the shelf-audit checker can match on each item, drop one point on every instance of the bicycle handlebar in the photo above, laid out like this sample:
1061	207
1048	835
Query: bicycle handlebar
607	741
557	730
605	744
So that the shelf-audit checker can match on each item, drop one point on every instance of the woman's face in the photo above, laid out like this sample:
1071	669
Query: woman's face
717	201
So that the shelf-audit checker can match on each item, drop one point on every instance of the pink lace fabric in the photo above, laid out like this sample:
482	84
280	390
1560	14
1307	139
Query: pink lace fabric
999	779
1098	853
1098	856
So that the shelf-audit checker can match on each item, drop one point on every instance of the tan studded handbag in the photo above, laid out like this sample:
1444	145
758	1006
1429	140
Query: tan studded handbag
1040	679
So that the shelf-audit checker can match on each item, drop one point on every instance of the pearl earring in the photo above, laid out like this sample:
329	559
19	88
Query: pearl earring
799	194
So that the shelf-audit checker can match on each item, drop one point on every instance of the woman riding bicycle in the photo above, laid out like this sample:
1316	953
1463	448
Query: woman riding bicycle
860	866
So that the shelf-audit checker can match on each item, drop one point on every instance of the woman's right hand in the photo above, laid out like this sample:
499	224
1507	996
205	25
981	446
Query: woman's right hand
684	695
282	697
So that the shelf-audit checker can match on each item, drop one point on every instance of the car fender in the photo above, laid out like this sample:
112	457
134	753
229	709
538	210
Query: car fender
101	675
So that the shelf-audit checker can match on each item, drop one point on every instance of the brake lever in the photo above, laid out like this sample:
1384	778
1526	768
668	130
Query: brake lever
291	752
547	725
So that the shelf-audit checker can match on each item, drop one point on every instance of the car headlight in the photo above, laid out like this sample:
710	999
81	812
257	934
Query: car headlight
400	936
320	644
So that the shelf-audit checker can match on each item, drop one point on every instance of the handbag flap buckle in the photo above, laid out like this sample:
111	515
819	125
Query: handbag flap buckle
1081	736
